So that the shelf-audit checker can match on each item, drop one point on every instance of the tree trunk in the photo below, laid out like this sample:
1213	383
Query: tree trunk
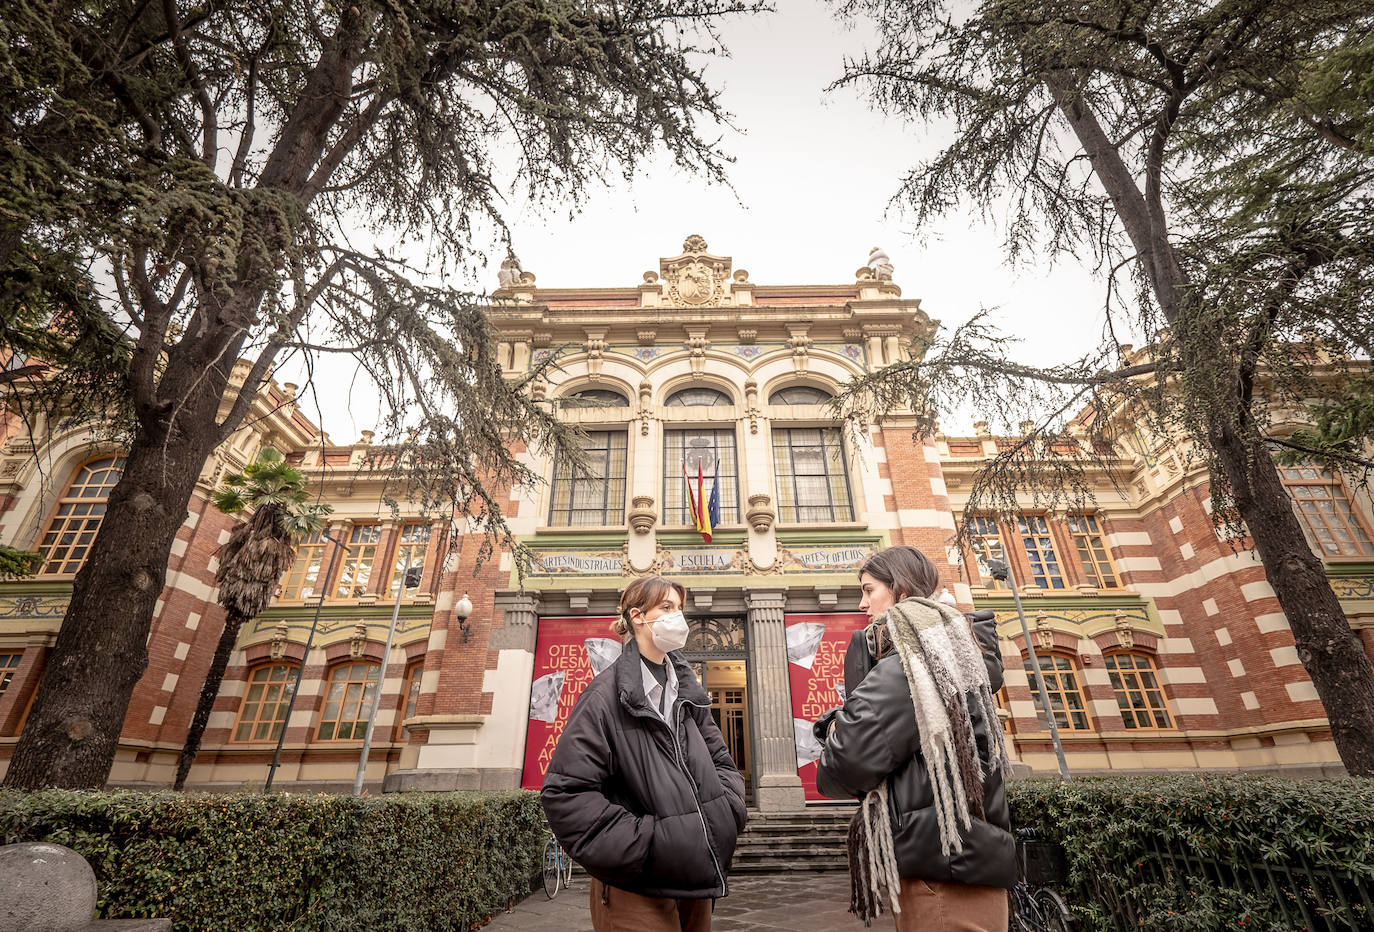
1327	646
1330	651
101	651
233	623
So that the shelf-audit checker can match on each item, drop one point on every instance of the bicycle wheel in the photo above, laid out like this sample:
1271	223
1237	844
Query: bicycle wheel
1058	917
553	871
1024	913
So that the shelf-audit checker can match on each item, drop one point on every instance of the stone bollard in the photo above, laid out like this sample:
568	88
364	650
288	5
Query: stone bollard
51	888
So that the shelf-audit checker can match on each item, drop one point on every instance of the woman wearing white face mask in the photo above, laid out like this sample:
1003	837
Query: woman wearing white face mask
641	789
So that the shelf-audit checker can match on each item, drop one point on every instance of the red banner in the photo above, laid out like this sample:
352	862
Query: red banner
816	645
568	652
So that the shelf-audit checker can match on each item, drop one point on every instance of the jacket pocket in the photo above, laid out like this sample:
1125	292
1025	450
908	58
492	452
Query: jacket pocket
679	858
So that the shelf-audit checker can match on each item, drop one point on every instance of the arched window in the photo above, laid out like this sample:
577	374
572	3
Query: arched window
77	518
411	695
263	711
348	701
799	395
595	398
1060	673
1138	694
698	397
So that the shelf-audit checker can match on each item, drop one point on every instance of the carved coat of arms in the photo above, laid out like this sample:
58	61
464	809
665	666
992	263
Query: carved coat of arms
695	282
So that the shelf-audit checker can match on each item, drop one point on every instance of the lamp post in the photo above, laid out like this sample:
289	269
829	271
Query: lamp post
300	668
1000	570
414	573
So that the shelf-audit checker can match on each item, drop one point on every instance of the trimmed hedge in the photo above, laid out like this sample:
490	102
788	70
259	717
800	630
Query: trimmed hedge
284	863
1209	852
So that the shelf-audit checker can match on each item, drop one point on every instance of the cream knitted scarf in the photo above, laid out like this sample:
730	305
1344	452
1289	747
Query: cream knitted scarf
945	670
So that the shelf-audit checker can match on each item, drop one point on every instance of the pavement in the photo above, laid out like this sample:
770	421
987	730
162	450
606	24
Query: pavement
801	901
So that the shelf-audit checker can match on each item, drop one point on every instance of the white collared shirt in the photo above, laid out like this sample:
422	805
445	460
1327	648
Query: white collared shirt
654	692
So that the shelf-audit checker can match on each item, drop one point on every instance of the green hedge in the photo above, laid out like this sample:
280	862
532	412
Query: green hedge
1209	852
283	863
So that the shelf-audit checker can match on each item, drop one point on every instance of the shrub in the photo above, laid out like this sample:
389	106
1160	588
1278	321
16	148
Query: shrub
282	863
1210	852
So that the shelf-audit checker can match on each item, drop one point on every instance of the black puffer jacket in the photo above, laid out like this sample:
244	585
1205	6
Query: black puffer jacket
875	739
639	808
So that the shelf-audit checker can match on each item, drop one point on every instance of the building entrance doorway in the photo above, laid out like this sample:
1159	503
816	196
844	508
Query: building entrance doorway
717	652
724	682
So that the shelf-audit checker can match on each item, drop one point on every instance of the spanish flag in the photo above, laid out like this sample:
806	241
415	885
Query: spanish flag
705	508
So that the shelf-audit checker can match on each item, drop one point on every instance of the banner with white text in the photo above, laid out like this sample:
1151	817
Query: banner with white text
568	653
816	646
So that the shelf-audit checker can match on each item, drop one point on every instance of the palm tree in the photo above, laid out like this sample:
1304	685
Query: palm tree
251	562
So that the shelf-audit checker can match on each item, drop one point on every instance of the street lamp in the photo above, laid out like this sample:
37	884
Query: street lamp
300	668
462	610
409	580
1000	570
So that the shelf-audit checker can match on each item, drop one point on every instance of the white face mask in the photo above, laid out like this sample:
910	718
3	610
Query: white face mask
669	631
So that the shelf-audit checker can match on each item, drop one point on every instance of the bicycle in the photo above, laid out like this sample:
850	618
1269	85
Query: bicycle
557	868
1035	905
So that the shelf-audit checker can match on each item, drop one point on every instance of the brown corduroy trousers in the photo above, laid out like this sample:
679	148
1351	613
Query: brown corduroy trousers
933	906
617	910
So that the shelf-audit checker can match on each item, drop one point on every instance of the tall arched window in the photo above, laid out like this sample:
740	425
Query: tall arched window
1060	673
263	711
349	699
1137	689
77	519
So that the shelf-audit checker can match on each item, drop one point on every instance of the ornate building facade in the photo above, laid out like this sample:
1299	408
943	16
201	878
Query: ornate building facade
1161	644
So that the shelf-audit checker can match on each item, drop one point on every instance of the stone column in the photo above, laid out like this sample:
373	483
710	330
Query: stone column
778	788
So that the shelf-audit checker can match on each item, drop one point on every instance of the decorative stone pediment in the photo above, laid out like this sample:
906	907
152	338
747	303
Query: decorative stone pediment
695	278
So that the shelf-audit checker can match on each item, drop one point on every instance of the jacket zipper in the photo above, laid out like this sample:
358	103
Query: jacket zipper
696	796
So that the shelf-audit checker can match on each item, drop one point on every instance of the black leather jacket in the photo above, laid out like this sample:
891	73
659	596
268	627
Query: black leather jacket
639	807
875	739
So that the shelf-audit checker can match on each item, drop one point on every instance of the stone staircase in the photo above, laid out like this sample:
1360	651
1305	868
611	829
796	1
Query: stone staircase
773	842
794	841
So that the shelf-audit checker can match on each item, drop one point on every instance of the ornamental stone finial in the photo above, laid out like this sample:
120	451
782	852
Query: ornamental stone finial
880	263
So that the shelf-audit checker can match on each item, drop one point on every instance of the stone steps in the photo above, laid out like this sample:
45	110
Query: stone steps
775	842
794	841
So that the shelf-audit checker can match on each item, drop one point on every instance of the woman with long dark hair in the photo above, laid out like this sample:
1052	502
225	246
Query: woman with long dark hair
919	741
641	789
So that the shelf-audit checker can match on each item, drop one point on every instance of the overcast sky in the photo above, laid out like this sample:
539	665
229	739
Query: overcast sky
813	178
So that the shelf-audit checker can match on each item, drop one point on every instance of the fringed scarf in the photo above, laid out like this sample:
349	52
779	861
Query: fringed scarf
945	670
